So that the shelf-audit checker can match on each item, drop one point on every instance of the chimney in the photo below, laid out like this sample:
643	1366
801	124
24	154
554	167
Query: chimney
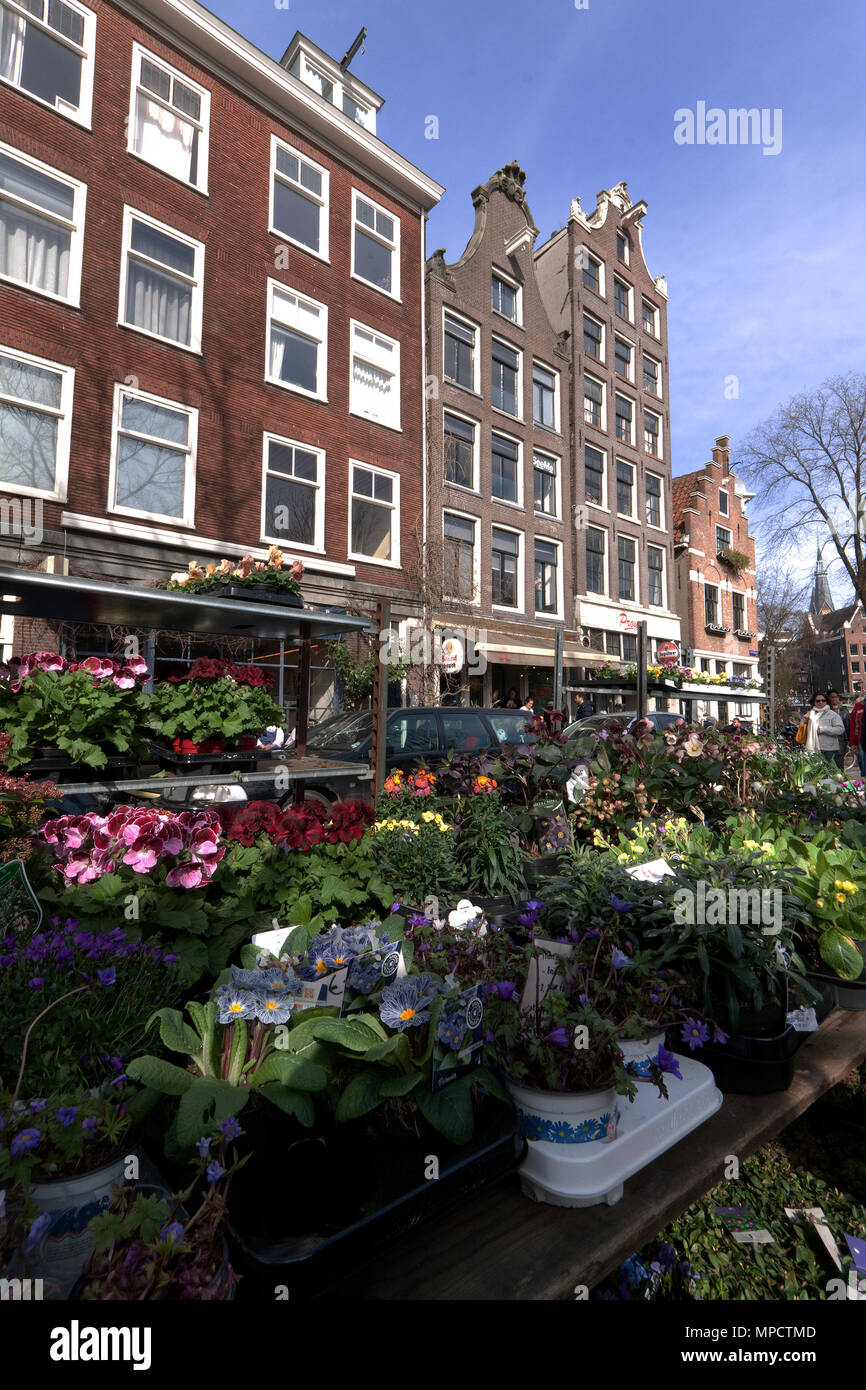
722	453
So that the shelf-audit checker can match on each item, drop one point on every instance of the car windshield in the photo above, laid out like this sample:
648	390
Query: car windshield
511	726
347	731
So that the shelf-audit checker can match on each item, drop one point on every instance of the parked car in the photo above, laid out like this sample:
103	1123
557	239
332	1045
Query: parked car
660	719
424	732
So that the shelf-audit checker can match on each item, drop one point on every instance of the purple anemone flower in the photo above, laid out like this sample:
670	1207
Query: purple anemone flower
558	1036
619	960
694	1033
618	904
667	1061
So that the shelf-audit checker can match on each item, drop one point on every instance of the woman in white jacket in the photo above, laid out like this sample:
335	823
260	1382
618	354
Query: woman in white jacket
825	729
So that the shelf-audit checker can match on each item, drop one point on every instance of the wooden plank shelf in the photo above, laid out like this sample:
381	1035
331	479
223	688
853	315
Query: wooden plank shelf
500	1246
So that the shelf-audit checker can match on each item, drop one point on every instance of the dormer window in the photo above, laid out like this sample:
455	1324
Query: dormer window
357	111
340	88
317	81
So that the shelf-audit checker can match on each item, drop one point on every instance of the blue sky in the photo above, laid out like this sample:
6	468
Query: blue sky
763	253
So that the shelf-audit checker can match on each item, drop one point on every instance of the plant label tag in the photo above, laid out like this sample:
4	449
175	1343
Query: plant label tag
803	1020
326	992
857	1248
544	972
19	906
741	1222
814	1217
653	872
272	940
459	1038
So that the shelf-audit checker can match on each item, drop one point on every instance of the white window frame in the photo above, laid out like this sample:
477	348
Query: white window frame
589	376
76	228
662	526
664	574
276	288
394	504
743	594
476	449
63	415
188	519
520	606
603	505
374	356
730	541
629	317
394	292
323	202
318	546
605	575
544	612
623	535
601	292
621	338
552	371
556	514
476	555
512	439
447	311
203	123
659	392
518	385
82	114
603	326
632	515
654	331
623	260
724	493
630	439
518	297
197	283
660	435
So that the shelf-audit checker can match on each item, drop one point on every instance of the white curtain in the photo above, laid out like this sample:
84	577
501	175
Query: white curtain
164	138
371	389
158	303
34	251
11	45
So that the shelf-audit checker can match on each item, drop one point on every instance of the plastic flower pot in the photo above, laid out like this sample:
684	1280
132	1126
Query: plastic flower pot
754	1066
561	1128
72	1203
537	870
207	745
246	741
638	1054
844	994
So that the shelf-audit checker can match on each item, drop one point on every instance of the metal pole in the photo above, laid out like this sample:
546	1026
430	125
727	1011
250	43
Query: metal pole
772	691
150	659
303	705
379	747
281	679
641	670
558	642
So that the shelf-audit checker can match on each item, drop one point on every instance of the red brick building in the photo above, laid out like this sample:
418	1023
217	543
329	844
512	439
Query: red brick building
598	290
211	323
835	640
715	590
499	531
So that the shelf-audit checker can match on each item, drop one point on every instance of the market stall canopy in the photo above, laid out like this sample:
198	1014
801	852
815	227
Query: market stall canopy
34	594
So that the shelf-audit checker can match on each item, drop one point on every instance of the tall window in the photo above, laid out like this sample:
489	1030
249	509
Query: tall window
505	298
299	198
35	416
41	226
622	298
723	538
622	247
623	357
505	374
169	120
593	338
298	333
459	557
711	605
626	558
650	318
651	375
651	434
506	549
546	586
595	552
655	560
653	500
739	606
624	488
544	483
611	644
591	272
161	289
294	493
593	470
375	387
543	396
374	514
723	503
46	50
624	420
593	402
459	352
375	245
629	647
459	451
153	458
504	469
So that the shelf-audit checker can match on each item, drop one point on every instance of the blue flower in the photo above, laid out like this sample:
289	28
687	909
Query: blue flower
107	977
668	1062
506	989
558	1036
230	1128
364	978
203	1146
618	904
37	1230
406	1003
694	1033
619	960
633	1272
234	1003
583	999
273	1008
173	1231
214	1172
66	1115
36	1106
91	1122
719	1036
24	1142
37	982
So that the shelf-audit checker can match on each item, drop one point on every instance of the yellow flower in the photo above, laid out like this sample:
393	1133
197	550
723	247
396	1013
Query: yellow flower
840	897
428	816
819	902
766	847
750	844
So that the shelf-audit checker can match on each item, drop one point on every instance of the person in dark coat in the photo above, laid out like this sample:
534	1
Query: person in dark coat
585	708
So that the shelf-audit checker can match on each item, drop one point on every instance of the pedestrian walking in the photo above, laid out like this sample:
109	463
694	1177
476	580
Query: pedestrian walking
824	728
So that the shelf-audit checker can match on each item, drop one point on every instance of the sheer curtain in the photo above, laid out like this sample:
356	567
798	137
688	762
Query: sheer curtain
33	250
11	45
164	138
158	303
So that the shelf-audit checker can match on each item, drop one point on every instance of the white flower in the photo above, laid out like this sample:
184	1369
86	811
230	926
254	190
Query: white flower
464	915
181	578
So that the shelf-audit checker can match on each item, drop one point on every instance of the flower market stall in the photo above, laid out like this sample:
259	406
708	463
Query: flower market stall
566	979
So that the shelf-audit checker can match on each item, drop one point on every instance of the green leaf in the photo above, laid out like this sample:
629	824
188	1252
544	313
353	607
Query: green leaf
840	953
450	1111
177	1035
360	1096
350	1033
399	1085
208	1102
396	1047
297	1103
289	1069
162	1076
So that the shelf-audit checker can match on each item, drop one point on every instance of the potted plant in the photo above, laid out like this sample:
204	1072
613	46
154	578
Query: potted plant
59	712
211	707
23	804
250	579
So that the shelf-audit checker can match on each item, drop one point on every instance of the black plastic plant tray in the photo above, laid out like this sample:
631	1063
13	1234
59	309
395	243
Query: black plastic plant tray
117	764
846	994
258	593
308	1265
749	1066
242	757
